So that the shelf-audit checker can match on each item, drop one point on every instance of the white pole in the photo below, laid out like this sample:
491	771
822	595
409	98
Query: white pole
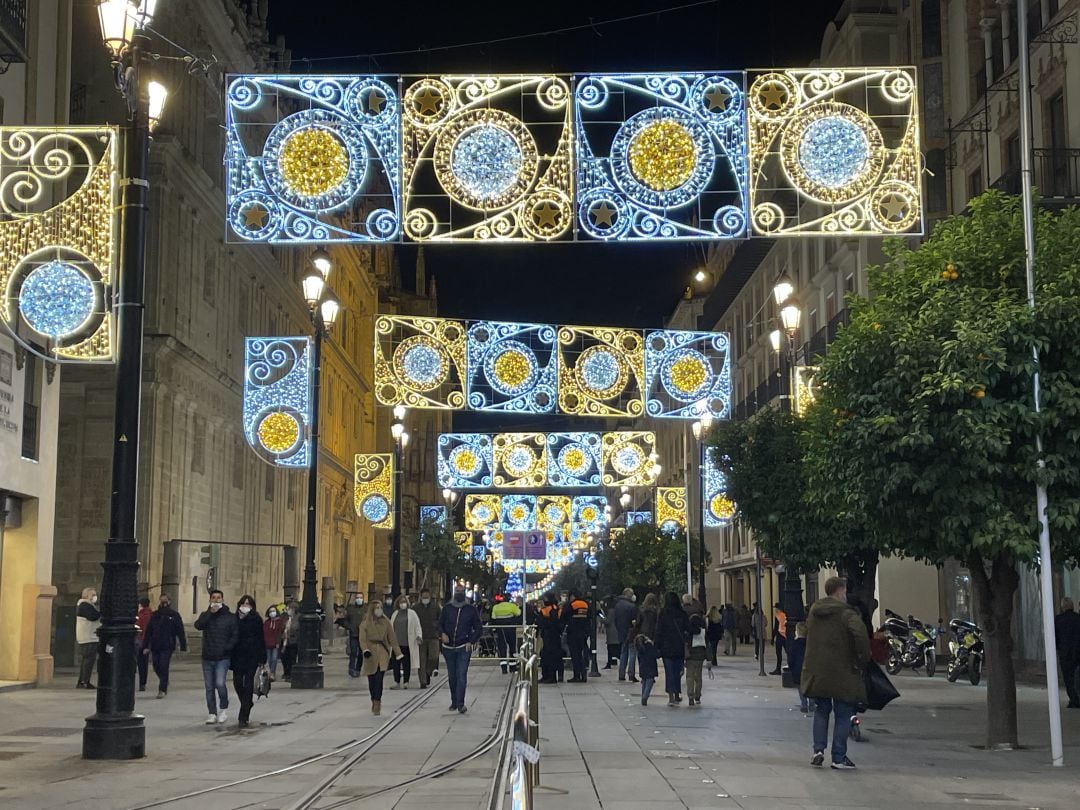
686	515
1027	182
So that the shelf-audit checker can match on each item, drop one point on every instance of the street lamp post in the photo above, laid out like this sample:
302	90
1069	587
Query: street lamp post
323	309
701	432
401	439
114	731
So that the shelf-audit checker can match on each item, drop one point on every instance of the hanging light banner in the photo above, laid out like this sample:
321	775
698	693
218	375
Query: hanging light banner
518	511
552	512
574	459
717	508
59	231
520	460
590	371
627	461
277	399
464	541
804	388
559	158
434	514
615	534
634	518
373	490
465	460
482	512
671	508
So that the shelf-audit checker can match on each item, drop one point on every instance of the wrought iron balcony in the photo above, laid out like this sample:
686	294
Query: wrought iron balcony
1057	174
12	31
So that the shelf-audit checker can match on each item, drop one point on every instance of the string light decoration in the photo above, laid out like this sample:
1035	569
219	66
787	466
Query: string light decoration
552	512
518	512
520	460
671	508
482	511
635	518
59	230
717	508
487	158
587	516
312	158
626	459
465	460
834	151
805	388
278	380
661	156
512	367
601	371
420	362
687	374
373	488
615	534
464	541
573	459
435	513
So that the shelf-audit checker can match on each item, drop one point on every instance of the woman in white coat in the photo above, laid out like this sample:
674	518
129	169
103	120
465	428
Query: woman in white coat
409	635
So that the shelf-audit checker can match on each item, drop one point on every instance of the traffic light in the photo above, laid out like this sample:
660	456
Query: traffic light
208	555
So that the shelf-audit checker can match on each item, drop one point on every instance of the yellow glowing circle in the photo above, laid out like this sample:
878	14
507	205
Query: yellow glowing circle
278	432
512	369
574	459
466	462
313	161
721	507
518	513
663	155
688	374
588	514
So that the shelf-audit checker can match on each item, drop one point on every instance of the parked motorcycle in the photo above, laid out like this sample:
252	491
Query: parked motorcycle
912	644
967	651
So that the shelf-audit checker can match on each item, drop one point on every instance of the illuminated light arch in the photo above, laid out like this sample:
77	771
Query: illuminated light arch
626	458
465	460
671	509
687	374
278	380
512	367
373	489
420	362
521	460
717	509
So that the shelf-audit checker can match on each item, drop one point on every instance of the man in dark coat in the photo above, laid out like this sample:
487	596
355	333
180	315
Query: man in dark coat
219	629
428	613
550	624
576	619
624	615
837	650
459	630
350	622
730	620
164	630
1067	635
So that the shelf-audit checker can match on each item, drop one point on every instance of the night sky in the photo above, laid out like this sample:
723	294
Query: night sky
618	285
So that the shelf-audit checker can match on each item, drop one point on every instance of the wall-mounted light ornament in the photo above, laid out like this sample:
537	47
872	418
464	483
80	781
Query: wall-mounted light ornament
373	488
278	380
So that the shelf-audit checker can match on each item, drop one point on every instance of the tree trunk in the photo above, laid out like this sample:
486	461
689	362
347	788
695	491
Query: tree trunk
860	568
994	594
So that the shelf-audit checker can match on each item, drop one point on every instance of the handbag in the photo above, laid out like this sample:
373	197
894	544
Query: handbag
879	689
262	681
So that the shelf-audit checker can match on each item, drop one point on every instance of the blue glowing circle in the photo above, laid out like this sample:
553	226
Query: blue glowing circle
482	512
512	368
554	514
375	508
57	299
601	372
628	459
833	151
486	160
519	460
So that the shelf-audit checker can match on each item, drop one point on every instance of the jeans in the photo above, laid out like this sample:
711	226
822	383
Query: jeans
627	659
841	726
457	672
244	684
805	703
1070	672
160	661
646	687
673	675
375	684
213	673
429	659
693	677
354	656
271	661
402	666
86	664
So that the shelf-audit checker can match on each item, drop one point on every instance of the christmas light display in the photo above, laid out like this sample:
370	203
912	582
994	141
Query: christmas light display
601	371
660	156
482	512
634	518
804	388
573	459
420	362
518	512
464	541
834	151
465	460
626	458
373	489
313	158
587	515
717	508
487	158
512	367
615	534
552	512
520	460
687	374
671	508
277	399
59	228
434	513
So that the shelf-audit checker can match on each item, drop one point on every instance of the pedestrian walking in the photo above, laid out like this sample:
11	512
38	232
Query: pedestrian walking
290	641
576	618
623	617
163	632
550	625
796	656
408	634
459	630
506	616
218	627
248	654
757	624
351	620
731	628
1067	636
378	646
672	632
696	646
837	650
779	637
744	625
611	635
428	613
273	630
647	657
714	632
87	622
142	619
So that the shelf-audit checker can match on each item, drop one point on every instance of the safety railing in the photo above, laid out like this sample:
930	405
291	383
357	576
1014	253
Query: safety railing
518	769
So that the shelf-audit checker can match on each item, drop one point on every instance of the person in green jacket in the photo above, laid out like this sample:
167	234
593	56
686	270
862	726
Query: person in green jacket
837	649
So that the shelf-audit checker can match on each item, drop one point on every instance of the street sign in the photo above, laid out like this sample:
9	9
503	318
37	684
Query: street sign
536	545
514	545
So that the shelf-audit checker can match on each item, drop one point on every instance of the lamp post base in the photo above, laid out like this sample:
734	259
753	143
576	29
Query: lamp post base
120	737
307	676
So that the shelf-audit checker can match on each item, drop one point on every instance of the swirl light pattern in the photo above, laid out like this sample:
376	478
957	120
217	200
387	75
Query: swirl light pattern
553	512
420	362
626	459
634	518
518	512
834	151
601	371
512	367
687	374
587	515
487	158
573	459
465	461
482	511
661	156
312	158
717	508
435	513
671	509
373	488
58	240
277	399
520	460
464	541
804	388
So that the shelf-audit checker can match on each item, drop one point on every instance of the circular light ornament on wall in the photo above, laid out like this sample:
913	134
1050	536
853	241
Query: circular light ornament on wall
721	507
421	362
375	508
57	299
279	432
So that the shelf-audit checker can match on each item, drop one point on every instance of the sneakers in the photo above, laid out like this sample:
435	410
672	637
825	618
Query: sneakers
211	719
818	759
463	709
434	673
453	707
843	765
160	695
222	717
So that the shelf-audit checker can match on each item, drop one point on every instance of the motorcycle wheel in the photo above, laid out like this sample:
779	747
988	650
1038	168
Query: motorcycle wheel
931	665
952	672
975	671
893	665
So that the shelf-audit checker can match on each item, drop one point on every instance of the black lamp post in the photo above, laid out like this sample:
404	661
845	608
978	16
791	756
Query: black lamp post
701	431
114	731
323	308
401	439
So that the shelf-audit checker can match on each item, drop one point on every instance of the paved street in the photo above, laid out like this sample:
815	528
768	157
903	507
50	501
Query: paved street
747	746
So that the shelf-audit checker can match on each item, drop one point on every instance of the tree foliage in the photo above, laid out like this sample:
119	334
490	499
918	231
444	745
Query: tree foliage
648	560
435	552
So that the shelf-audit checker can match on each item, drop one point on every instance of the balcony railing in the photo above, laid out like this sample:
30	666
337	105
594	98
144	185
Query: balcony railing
12	31
1057	174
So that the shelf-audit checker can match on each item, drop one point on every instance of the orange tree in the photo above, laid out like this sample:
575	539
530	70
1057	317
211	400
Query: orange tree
925	421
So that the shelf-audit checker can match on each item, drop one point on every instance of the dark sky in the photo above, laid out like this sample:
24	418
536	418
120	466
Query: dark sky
625	285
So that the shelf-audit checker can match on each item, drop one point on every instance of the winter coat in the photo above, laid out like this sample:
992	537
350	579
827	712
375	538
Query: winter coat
354	617
414	636
576	616
672	633
742	621
796	656
87	622
696	633
141	621
377	638
729	620
250	648
837	650
646	623
715	632
646	658
1067	635
429	619
460	623
550	624
624	614
164	630
273	629
219	633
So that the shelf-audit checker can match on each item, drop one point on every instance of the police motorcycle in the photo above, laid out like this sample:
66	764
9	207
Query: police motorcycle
966	647
911	644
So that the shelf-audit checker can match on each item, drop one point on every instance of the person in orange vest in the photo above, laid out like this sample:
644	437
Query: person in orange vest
779	635
576	618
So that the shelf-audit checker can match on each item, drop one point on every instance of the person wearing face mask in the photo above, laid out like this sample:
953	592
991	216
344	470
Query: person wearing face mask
273	629
350	622
428	613
407	631
87	622
378	645
290	638
219	630
624	615
459	630
247	655
163	631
